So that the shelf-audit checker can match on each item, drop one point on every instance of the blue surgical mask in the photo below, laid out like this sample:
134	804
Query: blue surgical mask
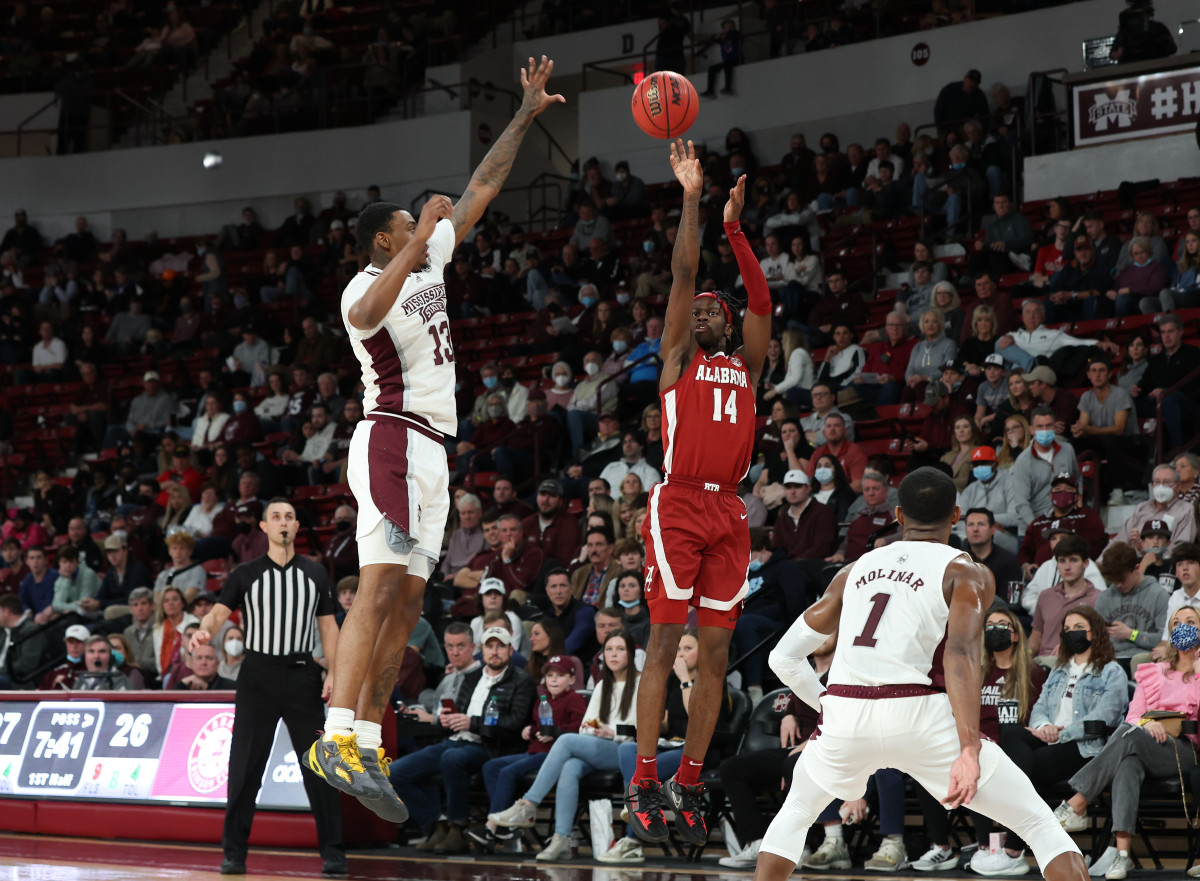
1044	438
823	475
118	658
755	564
620	346
737	171
490	381
648	247
982	472
624	299
628	604
239	406
588	302
240	301
74	659
1143	263
959	166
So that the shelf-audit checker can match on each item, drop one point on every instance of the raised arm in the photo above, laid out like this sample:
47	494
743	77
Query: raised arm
971	588
756	326
489	177
374	305
677	339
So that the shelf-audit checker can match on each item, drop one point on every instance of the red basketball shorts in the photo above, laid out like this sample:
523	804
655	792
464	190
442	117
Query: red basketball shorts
697	553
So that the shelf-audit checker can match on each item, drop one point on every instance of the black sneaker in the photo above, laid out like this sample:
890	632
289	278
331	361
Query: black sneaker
688	802
233	867
334	867
644	801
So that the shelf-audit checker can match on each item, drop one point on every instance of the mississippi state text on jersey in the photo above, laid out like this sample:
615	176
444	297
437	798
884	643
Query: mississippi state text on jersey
408	360
713	401
894	615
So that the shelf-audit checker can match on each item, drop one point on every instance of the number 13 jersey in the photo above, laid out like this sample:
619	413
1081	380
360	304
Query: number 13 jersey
408	359
894	616
708	421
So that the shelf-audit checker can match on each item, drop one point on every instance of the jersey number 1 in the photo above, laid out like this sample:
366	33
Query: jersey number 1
730	408
441	353
866	639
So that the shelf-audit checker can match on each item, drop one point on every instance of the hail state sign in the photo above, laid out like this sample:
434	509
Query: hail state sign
1122	108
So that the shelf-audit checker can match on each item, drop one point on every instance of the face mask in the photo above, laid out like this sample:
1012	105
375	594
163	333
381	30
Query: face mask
959	166
495	412
1162	494
648	247
1063	500
1044	438
1185	637
591	368
737	171
508	381
118	658
490	382
755	564
243	528
561	381
628	604
823	475
624	299
619	346
240	301
622	176
342	525
234	647
74	659
1143	263
982	472
997	639
239	406
1077	642
588	302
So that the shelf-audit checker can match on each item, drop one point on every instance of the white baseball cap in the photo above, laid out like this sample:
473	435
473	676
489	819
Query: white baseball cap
77	631
492	584
796	476
497	633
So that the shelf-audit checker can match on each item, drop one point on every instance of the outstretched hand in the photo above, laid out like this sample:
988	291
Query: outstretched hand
964	779
434	210
737	199
533	81
687	167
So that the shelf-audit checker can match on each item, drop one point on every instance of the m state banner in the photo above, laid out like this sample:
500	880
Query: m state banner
1122	108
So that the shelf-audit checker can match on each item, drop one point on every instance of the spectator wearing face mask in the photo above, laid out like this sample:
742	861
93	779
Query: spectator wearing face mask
1162	505
340	556
582	416
233	652
561	393
991	488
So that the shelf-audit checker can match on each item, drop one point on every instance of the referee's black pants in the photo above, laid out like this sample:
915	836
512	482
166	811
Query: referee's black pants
269	689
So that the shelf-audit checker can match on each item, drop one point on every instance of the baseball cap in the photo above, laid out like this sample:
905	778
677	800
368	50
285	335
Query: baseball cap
497	633
1058	527
1064	477
150	375
955	365
1156	527
795	476
551	487
984	453
1041	374
492	584
182	451
560	663
337	224
114	542
993	360
77	631
205	597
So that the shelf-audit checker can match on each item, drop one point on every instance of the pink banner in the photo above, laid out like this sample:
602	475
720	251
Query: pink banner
194	763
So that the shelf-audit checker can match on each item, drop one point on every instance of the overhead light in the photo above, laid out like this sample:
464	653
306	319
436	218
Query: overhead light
212	160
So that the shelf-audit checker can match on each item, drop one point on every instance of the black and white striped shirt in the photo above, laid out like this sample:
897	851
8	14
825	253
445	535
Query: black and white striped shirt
280	604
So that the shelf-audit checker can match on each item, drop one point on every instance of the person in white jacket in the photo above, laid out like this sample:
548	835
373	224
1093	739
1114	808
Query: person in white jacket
799	376
794	214
1035	340
206	430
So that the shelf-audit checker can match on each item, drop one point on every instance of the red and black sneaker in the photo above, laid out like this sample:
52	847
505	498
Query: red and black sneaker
688	802
644	801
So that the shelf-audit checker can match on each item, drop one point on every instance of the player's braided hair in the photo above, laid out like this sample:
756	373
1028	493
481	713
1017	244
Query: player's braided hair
734	306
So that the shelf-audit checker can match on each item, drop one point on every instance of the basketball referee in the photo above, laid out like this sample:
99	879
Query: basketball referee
284	599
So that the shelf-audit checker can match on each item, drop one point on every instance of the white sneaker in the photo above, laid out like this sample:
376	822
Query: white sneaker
832	854
936	860
626	850
746	859
891	857
557	848
1194	871
520	815
1071	821
999	863
1120	868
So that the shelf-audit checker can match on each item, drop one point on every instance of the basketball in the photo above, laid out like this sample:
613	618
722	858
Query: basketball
665	104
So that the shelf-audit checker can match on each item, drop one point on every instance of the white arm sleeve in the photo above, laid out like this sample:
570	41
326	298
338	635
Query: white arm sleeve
789	661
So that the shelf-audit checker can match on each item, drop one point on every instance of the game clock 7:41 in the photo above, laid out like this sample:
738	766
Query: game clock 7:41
57	749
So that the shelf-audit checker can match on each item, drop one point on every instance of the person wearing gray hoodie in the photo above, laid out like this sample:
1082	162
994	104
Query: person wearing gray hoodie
932	351
1135	605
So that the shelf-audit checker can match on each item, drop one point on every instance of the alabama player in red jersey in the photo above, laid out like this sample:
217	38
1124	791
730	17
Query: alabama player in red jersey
696	537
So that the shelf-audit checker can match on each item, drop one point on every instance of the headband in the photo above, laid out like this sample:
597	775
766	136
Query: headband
724	306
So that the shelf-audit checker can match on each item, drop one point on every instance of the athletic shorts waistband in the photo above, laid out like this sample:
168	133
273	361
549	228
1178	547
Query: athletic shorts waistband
416	423
879	692
702	485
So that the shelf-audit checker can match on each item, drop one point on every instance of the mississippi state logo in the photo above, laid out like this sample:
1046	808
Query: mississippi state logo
780	704
208	757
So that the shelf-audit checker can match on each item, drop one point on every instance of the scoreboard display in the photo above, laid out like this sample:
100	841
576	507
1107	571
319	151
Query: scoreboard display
135	751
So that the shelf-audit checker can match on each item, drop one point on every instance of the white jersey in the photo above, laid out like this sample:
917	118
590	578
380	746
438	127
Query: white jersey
408	358
894	616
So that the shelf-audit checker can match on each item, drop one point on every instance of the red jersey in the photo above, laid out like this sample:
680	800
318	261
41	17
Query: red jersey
708	421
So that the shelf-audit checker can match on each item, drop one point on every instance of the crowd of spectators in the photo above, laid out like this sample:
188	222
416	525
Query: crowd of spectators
158	391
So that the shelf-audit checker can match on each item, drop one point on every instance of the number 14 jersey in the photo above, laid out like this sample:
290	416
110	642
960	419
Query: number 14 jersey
408	359
708	421
894	616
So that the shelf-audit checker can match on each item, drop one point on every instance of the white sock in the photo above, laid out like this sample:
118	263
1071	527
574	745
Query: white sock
834	831
369	735
339	721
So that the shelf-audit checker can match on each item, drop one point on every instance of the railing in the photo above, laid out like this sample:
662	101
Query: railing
1053	77
545	214
30	118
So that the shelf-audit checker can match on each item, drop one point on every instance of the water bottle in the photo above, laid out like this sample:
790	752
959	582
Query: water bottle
491	716
546	717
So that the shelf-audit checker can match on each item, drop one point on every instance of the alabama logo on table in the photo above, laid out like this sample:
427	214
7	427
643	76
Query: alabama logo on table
208	758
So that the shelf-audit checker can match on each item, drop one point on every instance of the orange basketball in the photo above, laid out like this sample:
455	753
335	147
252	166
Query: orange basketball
665	104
